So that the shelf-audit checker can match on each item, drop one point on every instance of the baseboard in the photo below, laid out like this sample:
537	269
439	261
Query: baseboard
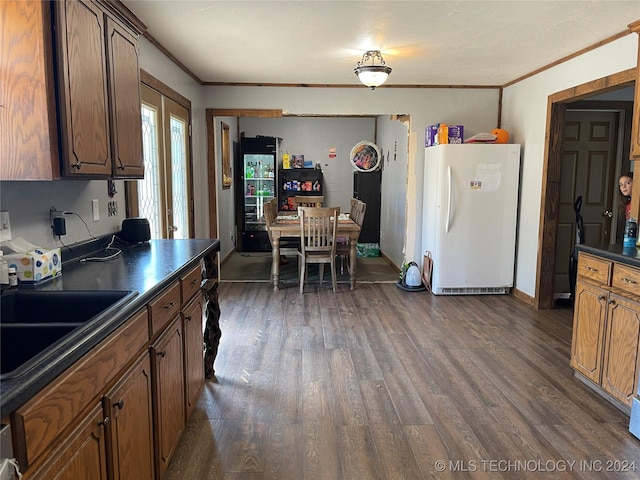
523	297
389	262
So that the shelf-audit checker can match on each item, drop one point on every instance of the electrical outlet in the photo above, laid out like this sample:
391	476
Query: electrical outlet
112	208
5	226
95	209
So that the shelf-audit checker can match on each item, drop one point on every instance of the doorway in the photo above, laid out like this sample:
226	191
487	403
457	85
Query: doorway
590	167
558	104
165	195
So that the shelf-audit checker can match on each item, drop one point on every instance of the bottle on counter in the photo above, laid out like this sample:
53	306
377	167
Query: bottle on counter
13	277
630	233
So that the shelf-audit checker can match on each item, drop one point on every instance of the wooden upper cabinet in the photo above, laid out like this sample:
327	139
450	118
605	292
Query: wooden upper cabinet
84	104
635	128
28	137
99	99
126	119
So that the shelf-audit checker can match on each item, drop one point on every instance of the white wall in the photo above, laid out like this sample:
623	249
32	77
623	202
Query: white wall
313	137
524	114
226	199
393	141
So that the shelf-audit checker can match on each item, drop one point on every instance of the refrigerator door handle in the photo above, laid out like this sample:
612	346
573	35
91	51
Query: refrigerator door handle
449	199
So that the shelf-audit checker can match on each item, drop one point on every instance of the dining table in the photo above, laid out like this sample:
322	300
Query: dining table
287	224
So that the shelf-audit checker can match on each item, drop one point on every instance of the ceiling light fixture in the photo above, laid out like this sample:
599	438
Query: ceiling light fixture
372	75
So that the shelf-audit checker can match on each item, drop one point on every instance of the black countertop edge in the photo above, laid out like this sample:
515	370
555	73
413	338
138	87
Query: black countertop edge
616	253
147	279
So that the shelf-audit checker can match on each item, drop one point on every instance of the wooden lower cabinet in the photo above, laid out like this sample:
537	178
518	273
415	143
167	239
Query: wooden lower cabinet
620	365
130	431
193	351
167	361
606	338
82	454
590	311
119	411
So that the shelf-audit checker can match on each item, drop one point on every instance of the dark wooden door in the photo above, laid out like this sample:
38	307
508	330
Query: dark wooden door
588	170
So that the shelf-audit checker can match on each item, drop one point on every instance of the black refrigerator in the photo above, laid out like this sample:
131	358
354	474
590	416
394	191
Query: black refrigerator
367	187
257	166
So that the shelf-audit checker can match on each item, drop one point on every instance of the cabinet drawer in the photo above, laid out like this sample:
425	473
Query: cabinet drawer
626	278
163	308
190	283
594	268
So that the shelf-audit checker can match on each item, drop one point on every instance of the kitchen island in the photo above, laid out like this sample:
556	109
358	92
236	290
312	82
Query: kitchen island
606	322
52	407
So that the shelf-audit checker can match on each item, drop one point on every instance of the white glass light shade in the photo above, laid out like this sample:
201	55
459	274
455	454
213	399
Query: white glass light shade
372	75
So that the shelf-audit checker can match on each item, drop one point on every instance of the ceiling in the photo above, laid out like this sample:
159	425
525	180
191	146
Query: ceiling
485	43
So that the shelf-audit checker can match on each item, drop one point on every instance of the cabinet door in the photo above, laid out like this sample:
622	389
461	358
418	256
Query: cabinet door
126	119
193	351
619	372
168	392
588	330
82	73
82	454
28	137
130	433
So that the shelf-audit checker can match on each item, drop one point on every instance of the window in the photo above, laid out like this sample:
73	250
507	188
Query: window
164	196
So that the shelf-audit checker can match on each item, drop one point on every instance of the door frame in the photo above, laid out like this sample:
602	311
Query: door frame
550	195
155	84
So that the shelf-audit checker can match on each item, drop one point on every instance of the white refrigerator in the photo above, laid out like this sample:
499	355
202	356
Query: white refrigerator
469	217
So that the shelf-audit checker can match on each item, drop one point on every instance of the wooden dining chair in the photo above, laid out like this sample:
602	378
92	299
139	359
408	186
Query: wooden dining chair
289	246
357	212
318	228
309	200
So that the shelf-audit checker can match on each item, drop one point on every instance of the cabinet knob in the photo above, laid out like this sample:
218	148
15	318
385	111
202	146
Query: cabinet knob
105	422
162	353
188	318
119	404
170	305
612	302
602	297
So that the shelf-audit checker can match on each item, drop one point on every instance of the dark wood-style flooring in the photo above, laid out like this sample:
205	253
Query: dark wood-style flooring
382	384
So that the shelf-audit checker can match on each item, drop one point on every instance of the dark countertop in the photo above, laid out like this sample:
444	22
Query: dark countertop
616	253
146	268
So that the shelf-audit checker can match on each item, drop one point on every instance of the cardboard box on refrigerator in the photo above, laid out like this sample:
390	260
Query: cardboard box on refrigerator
456	134
37	265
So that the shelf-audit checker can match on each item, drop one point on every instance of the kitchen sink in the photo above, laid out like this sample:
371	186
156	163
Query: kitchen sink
34	323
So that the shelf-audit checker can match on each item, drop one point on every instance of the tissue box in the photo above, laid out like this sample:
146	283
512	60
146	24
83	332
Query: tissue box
37	265
456	134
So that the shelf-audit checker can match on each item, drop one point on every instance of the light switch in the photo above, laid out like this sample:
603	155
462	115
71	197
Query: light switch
95	209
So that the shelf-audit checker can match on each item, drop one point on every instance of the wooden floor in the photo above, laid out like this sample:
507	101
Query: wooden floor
385	384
